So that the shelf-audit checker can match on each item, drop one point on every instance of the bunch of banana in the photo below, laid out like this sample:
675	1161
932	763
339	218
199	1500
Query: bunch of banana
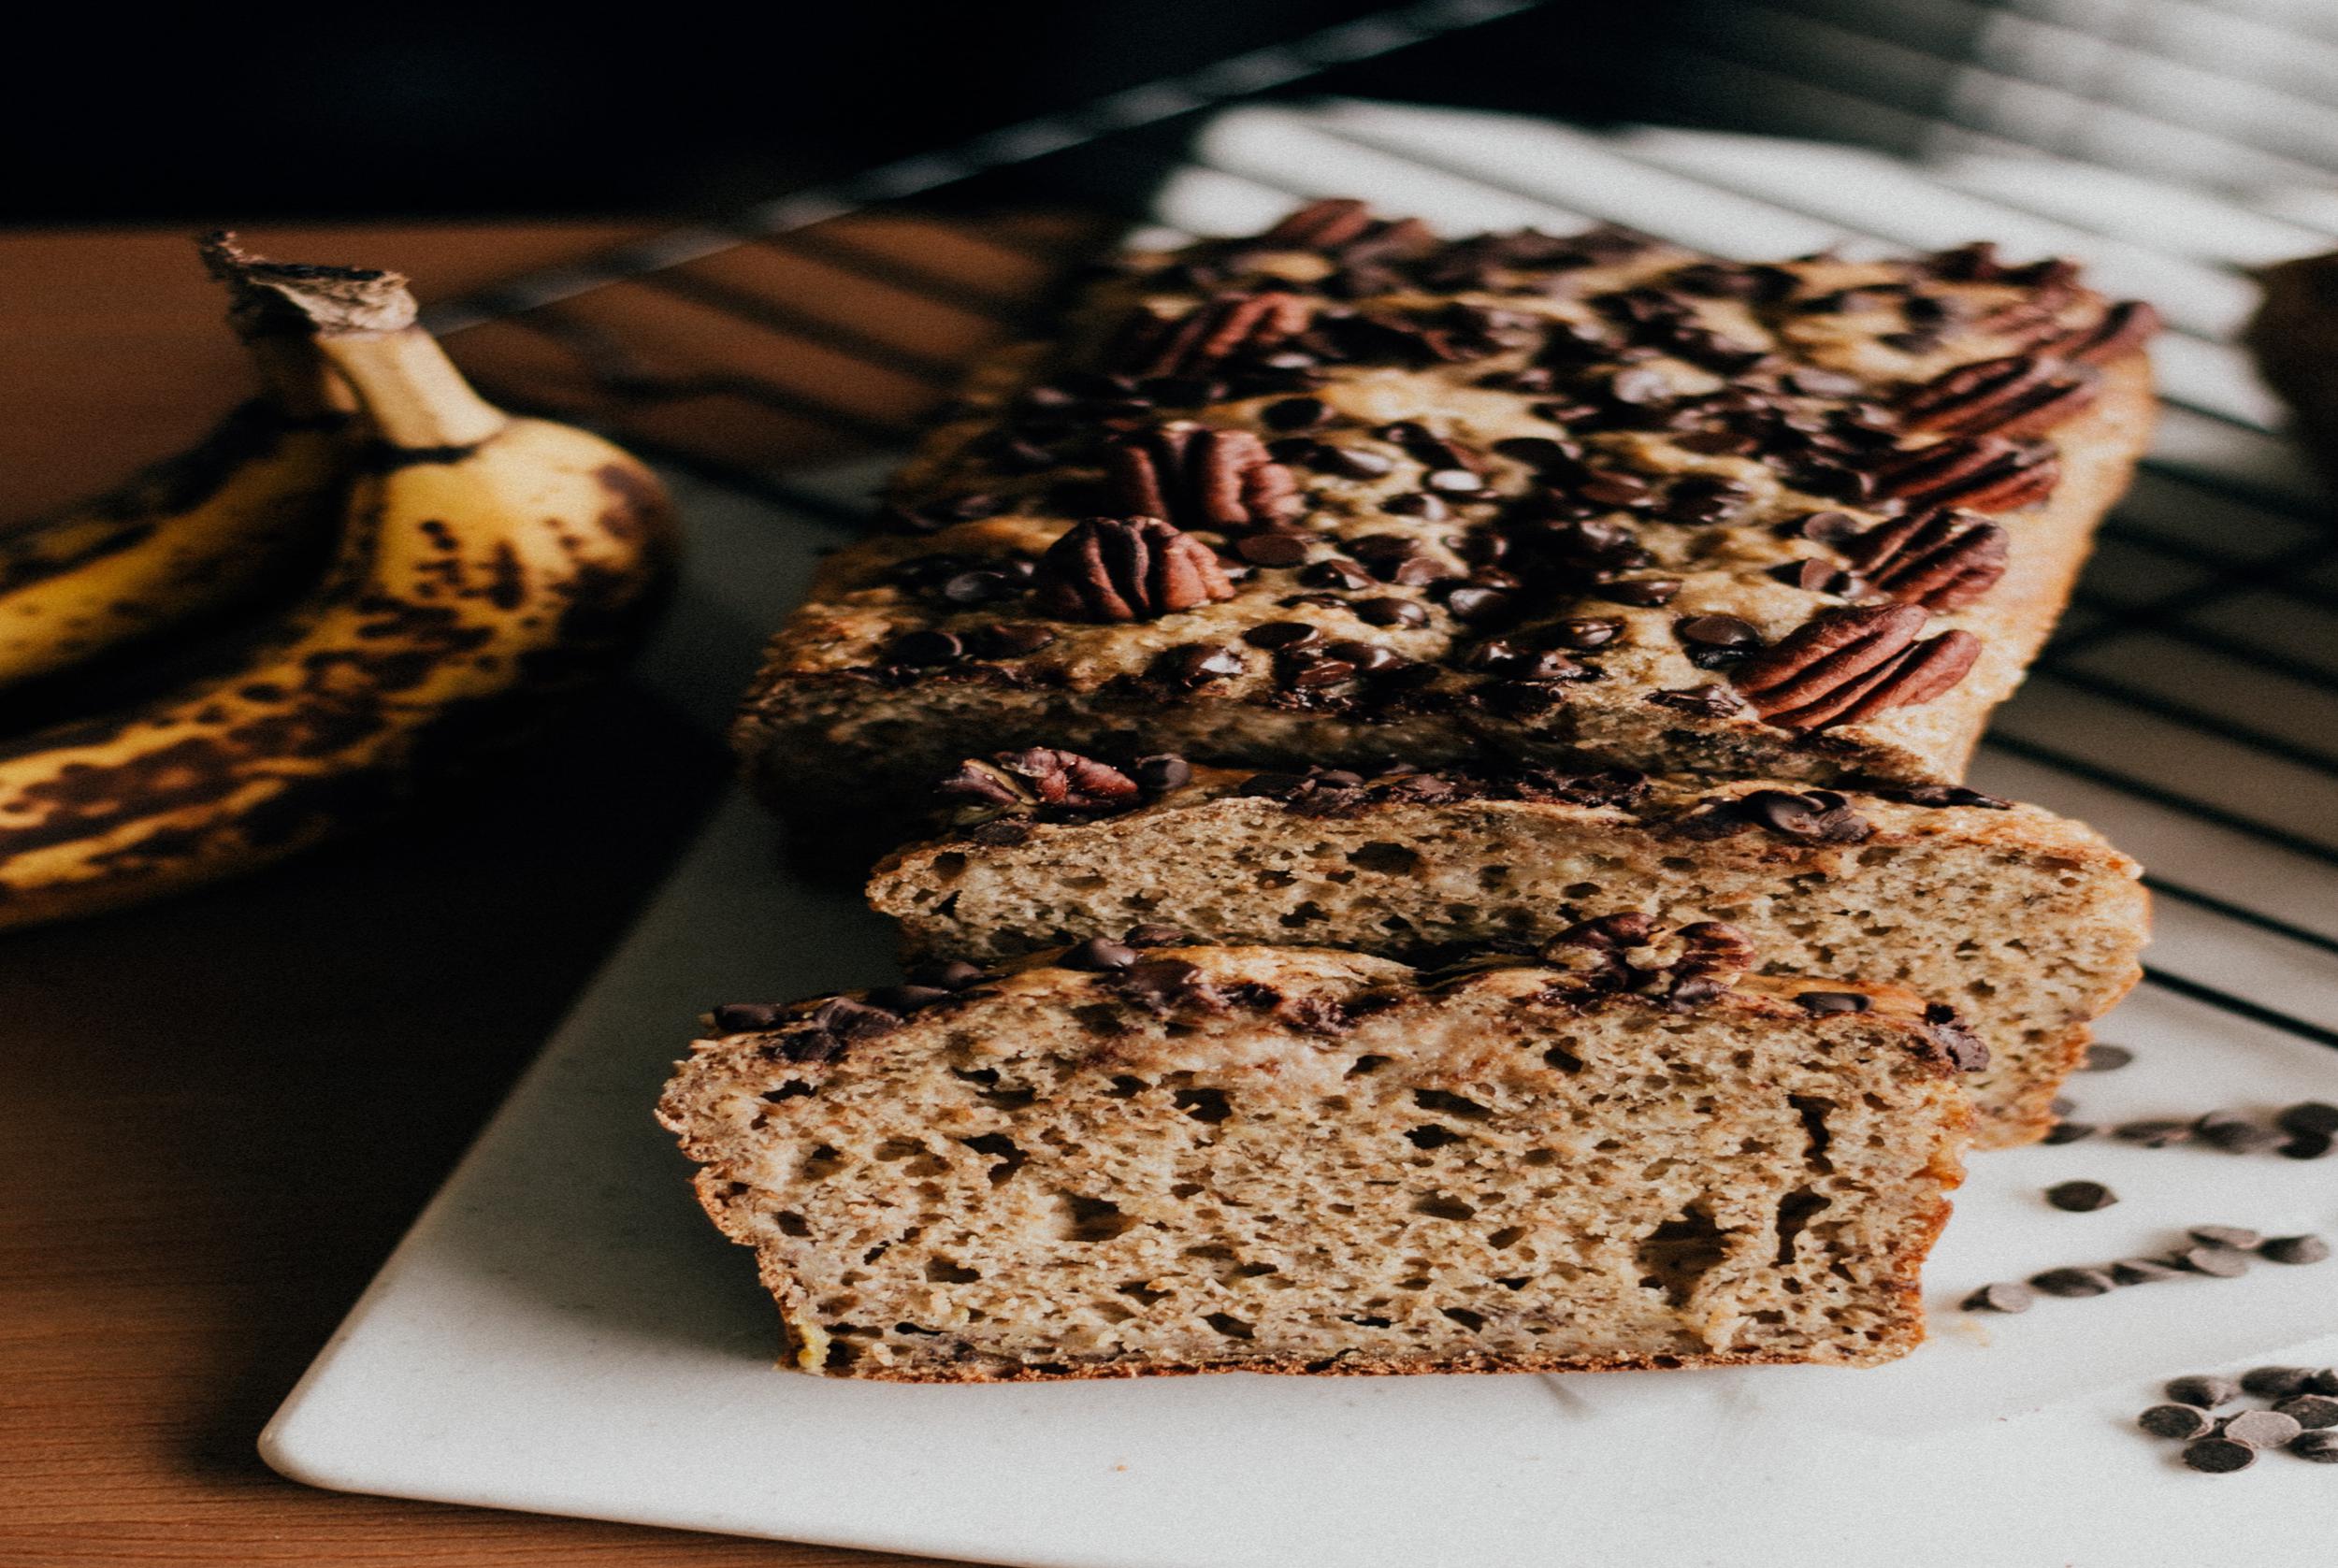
484	562
195	535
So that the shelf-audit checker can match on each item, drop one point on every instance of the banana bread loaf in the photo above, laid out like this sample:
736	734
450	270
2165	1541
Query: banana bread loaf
1346	492
2028	923
2293	336
1120	1162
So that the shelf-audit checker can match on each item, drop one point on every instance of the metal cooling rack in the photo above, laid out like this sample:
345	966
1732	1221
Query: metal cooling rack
2189	707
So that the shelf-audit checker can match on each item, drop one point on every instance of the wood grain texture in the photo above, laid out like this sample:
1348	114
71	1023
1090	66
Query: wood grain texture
223	1111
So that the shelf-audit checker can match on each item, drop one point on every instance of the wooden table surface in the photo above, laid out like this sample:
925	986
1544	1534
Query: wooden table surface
217	1115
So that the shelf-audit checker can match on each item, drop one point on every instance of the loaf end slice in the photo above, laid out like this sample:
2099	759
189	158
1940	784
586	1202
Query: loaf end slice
1218	1160
2028	923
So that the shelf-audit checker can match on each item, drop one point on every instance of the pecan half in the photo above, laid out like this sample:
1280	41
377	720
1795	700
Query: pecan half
1929	669
1069	780
1711	948
2021	395
1939	559
1988	473
1199	478
2123	329
1820	669
1344	229
1212	332
1127	568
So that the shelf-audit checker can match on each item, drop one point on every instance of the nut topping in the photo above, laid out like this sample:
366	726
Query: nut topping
1938	559
1845	665
1197	342
2017	396
2124	328
1199	478
1988	473
1127	569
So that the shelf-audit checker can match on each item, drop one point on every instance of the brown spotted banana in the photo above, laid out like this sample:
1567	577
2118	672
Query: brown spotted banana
487	563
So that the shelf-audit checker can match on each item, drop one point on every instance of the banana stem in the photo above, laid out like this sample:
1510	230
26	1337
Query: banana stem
411	390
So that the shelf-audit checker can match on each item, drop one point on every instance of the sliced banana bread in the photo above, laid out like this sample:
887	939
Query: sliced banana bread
2027	923
1347	491
1119	1161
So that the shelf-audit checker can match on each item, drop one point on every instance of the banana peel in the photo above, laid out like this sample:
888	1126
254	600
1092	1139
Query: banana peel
486	564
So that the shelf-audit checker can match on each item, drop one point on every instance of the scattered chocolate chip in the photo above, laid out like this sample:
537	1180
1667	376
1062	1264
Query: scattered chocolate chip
1282	634
2106	1058
1582	634
2262	1429
2224	1235
1644	591
2219	1262
2306	1145
2143	1271
1195	664
1162	772
2310	1117
2314	1412
2081	1196
2153	1135
2072	1282
2218	1455
1391	613
2068	1133
2234	1134
2207	1392
2325	1381
2008	1296
2294	1249
2277	1382
1712	702
2181	1421
1098	952
2319	1446
1272	549
1719	633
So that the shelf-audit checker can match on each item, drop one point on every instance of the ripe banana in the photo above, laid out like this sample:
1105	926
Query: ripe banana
198	533
487	562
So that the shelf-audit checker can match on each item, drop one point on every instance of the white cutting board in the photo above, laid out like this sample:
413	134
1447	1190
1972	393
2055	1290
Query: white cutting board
563	1332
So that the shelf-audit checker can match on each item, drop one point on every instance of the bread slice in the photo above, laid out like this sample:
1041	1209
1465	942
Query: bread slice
2027	923
1114	1163
1586	502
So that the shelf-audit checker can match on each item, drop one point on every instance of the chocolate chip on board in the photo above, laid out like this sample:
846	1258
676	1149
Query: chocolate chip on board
2081	1196
2319	1444
2277	1382
2224	1235
2143	1271
2262	1429
2310	1117
2106	1058
2068	1133
2157	1133
1098	952
2219	1262
2233	1133
2007	1296
2182	1421
2314	1412
2218	1455
2073	1282
2294	1249
2306	1145
2207	1391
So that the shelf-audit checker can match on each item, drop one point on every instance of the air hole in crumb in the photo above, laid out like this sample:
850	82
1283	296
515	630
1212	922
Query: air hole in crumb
1580	890
820	1164
1306	913
1255	1271
1563	1059
1539	1158
1184	1189
1275	878
948	866
1793	1211
791	1224
1367	1064
1008	1154
840	1354
1365	1320
787	1091
1433	1137
1681	1252
1205	1105
1143	1292
976	1074
1517	1282
1506	1237
1451	1106
913	1328
896	1149
1229	1325
1473	1321
1441	1206
940	1270
1092	1219
1812	1110
1126	1087
1393	859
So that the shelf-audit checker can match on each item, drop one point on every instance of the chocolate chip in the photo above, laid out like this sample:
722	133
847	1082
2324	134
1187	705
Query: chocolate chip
2182	1421
1644	591
2311	1117
1472	604
2232	1133
2207	1392
2072	1282
2106	1058
1156	936
1369	658
2218	1455
2326	1381
1350	462
2068	1133
1165	772
2143	1271
1307	670
1581	634
1195	664
2262	1429
2294	1249
2320	1445
2153	1135
1336	573
1282	634
2009	1296
1714	701
1296	413
2080	1198
748	1018
1097	953
953	974
1007	641
2277	1382
2314	1412
1823	528
2224	1235
1272	549
2306	1145
2215	1261
1391	613
908	998
1614	490
924	648
1716	631
1820	1003
1418	503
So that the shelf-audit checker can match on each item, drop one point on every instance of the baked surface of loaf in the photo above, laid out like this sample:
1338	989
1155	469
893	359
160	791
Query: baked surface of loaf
1591	501
2028	923
1206	1159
